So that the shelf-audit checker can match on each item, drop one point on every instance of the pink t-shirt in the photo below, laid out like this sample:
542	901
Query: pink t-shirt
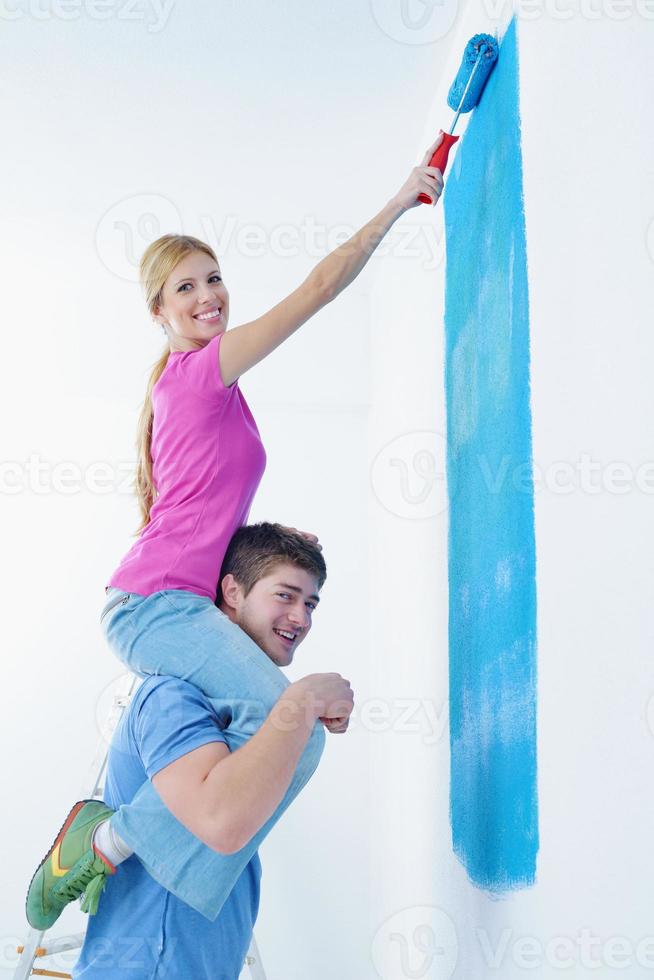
207	461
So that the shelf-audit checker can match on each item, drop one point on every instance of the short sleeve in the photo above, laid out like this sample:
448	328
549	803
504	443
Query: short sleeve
173	718
200	369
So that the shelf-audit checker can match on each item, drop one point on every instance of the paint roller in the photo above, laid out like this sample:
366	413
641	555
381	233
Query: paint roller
479	57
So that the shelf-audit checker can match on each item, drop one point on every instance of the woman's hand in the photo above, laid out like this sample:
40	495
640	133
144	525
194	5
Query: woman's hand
313	538
422	180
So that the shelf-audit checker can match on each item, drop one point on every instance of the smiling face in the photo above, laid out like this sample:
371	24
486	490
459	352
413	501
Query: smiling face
195	303
277	611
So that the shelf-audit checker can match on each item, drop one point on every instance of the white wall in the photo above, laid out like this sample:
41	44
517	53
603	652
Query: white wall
586	96
588	211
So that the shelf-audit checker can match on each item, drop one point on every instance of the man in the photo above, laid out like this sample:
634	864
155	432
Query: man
172	735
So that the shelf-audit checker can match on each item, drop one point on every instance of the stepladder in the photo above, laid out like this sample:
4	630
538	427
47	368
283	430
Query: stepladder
36	953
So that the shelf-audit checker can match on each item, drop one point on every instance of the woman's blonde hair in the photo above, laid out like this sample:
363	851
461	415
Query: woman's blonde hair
157	262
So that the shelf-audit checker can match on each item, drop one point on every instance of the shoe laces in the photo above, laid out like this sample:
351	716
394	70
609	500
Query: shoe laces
89	880
92	894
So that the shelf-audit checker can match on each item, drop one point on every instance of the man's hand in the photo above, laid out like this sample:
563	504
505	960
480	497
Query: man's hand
329	697
336	725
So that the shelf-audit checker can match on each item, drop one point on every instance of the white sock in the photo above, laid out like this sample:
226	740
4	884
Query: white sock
110	844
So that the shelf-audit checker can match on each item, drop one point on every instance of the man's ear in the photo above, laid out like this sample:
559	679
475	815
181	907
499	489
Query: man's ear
232	591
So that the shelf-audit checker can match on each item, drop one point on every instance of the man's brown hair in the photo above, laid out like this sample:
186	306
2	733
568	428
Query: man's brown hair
256	548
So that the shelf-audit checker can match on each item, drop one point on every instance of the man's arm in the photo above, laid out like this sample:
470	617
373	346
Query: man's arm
225	797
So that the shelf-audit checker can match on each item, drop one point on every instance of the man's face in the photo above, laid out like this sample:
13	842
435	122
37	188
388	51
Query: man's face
277	611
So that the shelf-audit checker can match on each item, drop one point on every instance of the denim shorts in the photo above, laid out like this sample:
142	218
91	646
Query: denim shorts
179	633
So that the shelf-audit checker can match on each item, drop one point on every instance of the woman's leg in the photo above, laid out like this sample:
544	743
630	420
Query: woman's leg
179	633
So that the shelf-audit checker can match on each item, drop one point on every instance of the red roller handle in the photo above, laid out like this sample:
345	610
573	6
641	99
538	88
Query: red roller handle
439	160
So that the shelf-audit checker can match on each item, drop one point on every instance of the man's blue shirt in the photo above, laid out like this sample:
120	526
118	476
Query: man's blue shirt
141	931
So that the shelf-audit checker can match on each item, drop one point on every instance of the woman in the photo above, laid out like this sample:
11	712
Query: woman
200	463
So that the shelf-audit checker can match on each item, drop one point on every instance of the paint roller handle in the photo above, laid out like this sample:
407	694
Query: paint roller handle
439	159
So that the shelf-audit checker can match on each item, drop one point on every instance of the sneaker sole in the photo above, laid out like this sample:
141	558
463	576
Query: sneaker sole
62	830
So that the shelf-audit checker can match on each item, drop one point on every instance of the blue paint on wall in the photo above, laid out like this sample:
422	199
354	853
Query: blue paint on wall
492	561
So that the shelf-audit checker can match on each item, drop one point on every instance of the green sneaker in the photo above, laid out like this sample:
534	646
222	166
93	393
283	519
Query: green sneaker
71	868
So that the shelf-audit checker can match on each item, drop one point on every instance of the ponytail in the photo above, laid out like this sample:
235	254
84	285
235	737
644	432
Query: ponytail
157	263
143	484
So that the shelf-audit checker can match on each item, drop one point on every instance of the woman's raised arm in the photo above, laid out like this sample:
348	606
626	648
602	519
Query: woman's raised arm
246	345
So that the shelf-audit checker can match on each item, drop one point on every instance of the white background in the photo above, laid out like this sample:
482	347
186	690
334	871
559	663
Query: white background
265	120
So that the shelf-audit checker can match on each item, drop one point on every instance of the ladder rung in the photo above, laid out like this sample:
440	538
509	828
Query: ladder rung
58	945
51	973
